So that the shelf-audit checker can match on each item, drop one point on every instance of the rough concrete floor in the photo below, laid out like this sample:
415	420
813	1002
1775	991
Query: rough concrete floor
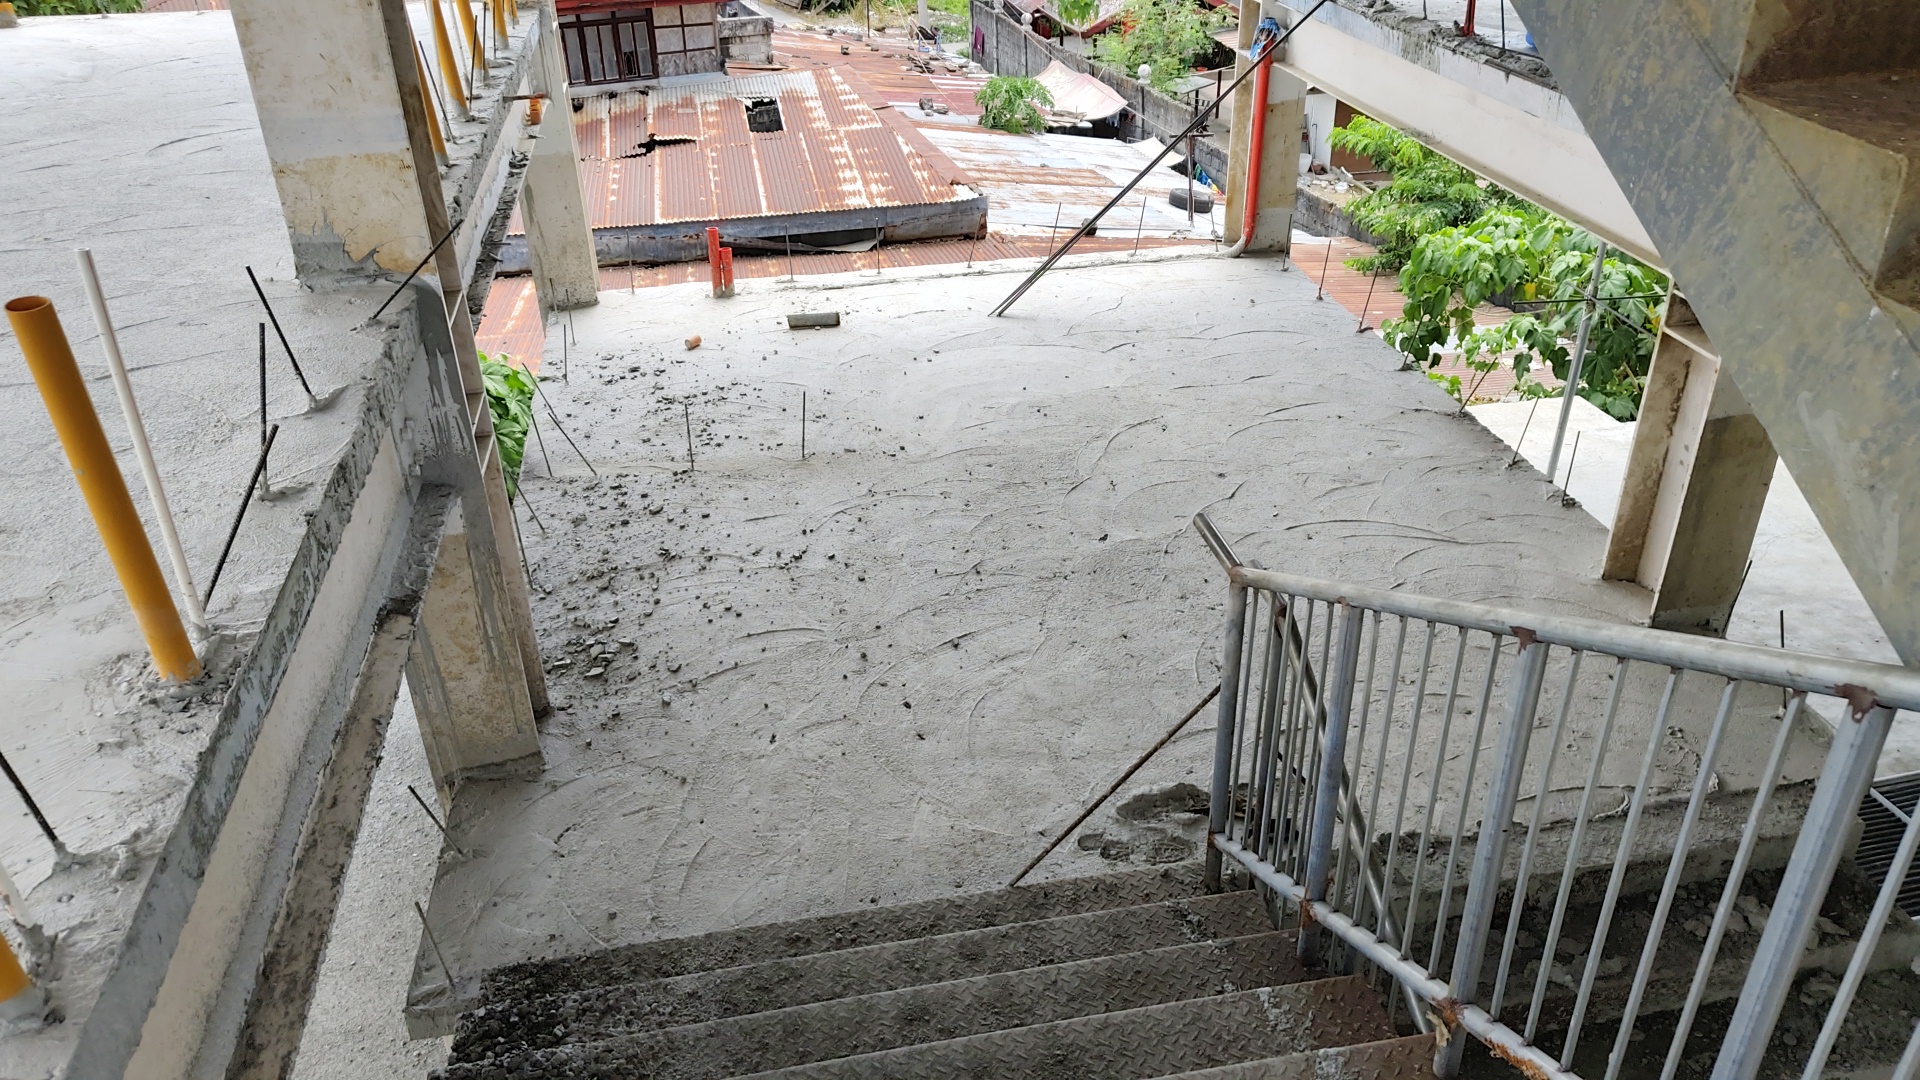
892	670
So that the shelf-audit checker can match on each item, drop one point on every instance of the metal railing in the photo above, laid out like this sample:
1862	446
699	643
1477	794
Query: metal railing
1459	797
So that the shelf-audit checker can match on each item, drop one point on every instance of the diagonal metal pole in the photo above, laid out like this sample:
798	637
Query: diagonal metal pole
1265	57
1572	386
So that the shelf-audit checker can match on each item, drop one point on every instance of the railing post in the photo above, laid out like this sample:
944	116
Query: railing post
1333	765
1816	854
1490	850
1220	805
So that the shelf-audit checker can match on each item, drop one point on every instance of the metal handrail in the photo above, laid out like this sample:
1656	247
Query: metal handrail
1861	683
1272	723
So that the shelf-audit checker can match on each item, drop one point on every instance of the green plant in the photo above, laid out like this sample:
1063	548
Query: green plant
510	398
1165	35
1428	192
1523	252
1013	103
77	7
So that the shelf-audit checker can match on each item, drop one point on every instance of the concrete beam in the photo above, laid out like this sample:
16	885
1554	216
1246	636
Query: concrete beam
1517	132
566	267
1697	479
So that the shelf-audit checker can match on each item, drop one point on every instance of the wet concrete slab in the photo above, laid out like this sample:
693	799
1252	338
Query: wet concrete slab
894	669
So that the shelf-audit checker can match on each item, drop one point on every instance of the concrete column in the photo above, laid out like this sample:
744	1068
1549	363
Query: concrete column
566	269
332	113
464	670
1280	158
1697	479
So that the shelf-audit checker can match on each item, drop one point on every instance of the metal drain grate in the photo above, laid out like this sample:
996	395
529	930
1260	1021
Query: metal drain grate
1885	812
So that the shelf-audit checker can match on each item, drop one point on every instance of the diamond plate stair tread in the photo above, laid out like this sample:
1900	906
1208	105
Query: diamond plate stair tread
925	1014
508	1022
846	930
1388	1059
1153	1041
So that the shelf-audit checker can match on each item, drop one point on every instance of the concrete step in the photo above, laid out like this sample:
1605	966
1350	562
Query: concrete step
919	1014
847	930
1388	1059
563	1015
1154	1041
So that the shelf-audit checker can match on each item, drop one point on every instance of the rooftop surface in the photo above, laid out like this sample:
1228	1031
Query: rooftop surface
889	671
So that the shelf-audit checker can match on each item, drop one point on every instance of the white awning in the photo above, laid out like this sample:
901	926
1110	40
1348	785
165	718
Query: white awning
1082	95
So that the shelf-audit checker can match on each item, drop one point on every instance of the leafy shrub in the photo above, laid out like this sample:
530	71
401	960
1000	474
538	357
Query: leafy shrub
77	7
1428	192
510	398
1526	253
1012	103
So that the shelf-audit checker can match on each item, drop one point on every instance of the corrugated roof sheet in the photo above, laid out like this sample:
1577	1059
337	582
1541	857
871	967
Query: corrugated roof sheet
835	151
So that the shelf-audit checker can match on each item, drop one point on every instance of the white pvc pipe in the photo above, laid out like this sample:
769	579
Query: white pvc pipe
16	900
110	344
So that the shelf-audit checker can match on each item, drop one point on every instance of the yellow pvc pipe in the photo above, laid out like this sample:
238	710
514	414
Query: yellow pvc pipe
50	359
443	44
499	20
470	30
426	99
14	980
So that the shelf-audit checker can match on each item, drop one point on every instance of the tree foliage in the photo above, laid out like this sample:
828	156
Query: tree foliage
1428	192
1012	103
77	7
1521	251
1165	35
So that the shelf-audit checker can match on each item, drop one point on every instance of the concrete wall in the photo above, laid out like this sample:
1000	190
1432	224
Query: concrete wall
746	36
1004	47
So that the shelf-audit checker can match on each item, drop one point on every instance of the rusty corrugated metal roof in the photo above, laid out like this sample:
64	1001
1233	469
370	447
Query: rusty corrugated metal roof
882	63
835	151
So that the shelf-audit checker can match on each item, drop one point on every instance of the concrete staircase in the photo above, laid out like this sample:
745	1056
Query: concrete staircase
1130	975
1772	150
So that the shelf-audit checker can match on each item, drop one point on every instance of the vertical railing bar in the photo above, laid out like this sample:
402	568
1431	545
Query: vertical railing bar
1341	880
1433	787
1496	823
1844	779
1466	797
1524	879
1379	771
1406	776
1337	709
1249	733
1220	802
1239	749
1736	875
1296	723
1400	940
1909	1066
1863	950
1314	743
1272	675
1621	857
1288	729
1580	821
1306	725
1662	907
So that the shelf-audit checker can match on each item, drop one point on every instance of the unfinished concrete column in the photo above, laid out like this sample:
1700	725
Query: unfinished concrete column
566	269
329	99
463	670
1697	478
1280	157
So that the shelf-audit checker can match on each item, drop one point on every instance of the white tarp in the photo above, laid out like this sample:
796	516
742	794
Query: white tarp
1082	95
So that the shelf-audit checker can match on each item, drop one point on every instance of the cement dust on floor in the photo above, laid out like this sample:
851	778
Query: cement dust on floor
892	670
